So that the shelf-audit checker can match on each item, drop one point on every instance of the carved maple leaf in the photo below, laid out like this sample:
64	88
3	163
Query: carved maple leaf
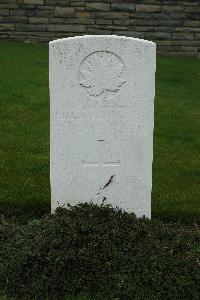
102	72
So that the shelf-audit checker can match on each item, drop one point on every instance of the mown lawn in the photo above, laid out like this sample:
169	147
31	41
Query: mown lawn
24	138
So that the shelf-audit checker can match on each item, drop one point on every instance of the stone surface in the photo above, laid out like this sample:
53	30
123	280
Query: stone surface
127	18
123	7
102	116
30	27
4	12
5	27
65	12
39	2
98	6
14	20
147	8
82	14
182	36
66	28
158	35
110	15
38	20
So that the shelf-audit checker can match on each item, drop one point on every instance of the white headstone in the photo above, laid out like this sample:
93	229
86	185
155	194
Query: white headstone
102	116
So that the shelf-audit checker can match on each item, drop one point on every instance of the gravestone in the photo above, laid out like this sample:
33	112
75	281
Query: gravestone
102	116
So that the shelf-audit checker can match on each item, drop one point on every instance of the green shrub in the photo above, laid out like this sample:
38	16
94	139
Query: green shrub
103	253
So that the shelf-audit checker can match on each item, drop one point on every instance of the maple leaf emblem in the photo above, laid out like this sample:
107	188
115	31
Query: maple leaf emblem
102	73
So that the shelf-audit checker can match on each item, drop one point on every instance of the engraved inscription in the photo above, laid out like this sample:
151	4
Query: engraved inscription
116	163
102	73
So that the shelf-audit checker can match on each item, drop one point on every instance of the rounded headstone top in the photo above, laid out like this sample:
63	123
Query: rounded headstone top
104	37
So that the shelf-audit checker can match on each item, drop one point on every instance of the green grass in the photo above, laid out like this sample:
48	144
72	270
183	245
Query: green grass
24	139
24	127
176	172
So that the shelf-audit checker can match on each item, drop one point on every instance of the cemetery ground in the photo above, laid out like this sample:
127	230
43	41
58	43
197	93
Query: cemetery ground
164	259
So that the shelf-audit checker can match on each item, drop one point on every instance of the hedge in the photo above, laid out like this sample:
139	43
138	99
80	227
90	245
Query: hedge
102	252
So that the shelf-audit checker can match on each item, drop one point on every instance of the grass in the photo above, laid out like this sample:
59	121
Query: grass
24	139
176	173
24	127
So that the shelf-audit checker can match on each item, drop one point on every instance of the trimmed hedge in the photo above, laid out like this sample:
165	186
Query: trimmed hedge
102	252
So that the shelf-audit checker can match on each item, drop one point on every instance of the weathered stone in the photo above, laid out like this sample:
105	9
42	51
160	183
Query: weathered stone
104	21
98	6
109	27
193	16
77	4
82	14
195	23
147	8
29	6
66	34
164	28
172	2
80	9
38	20
11	1
192	9
110	15
5	27
178	17
65	12
63	3
182	36
190	3
8	6
98	31
57	20
66	28
122	22
172	8
149	15
4	12
188	29
71	21
11	19
187	54
22	12
189	48
146	22
39	33
123	7
102	99
112	27
4	36
88	21
30	27
177	53
45	13
134	34
158	35
181	42
38	2
17	12
168	48
45	7
140	28
197	36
